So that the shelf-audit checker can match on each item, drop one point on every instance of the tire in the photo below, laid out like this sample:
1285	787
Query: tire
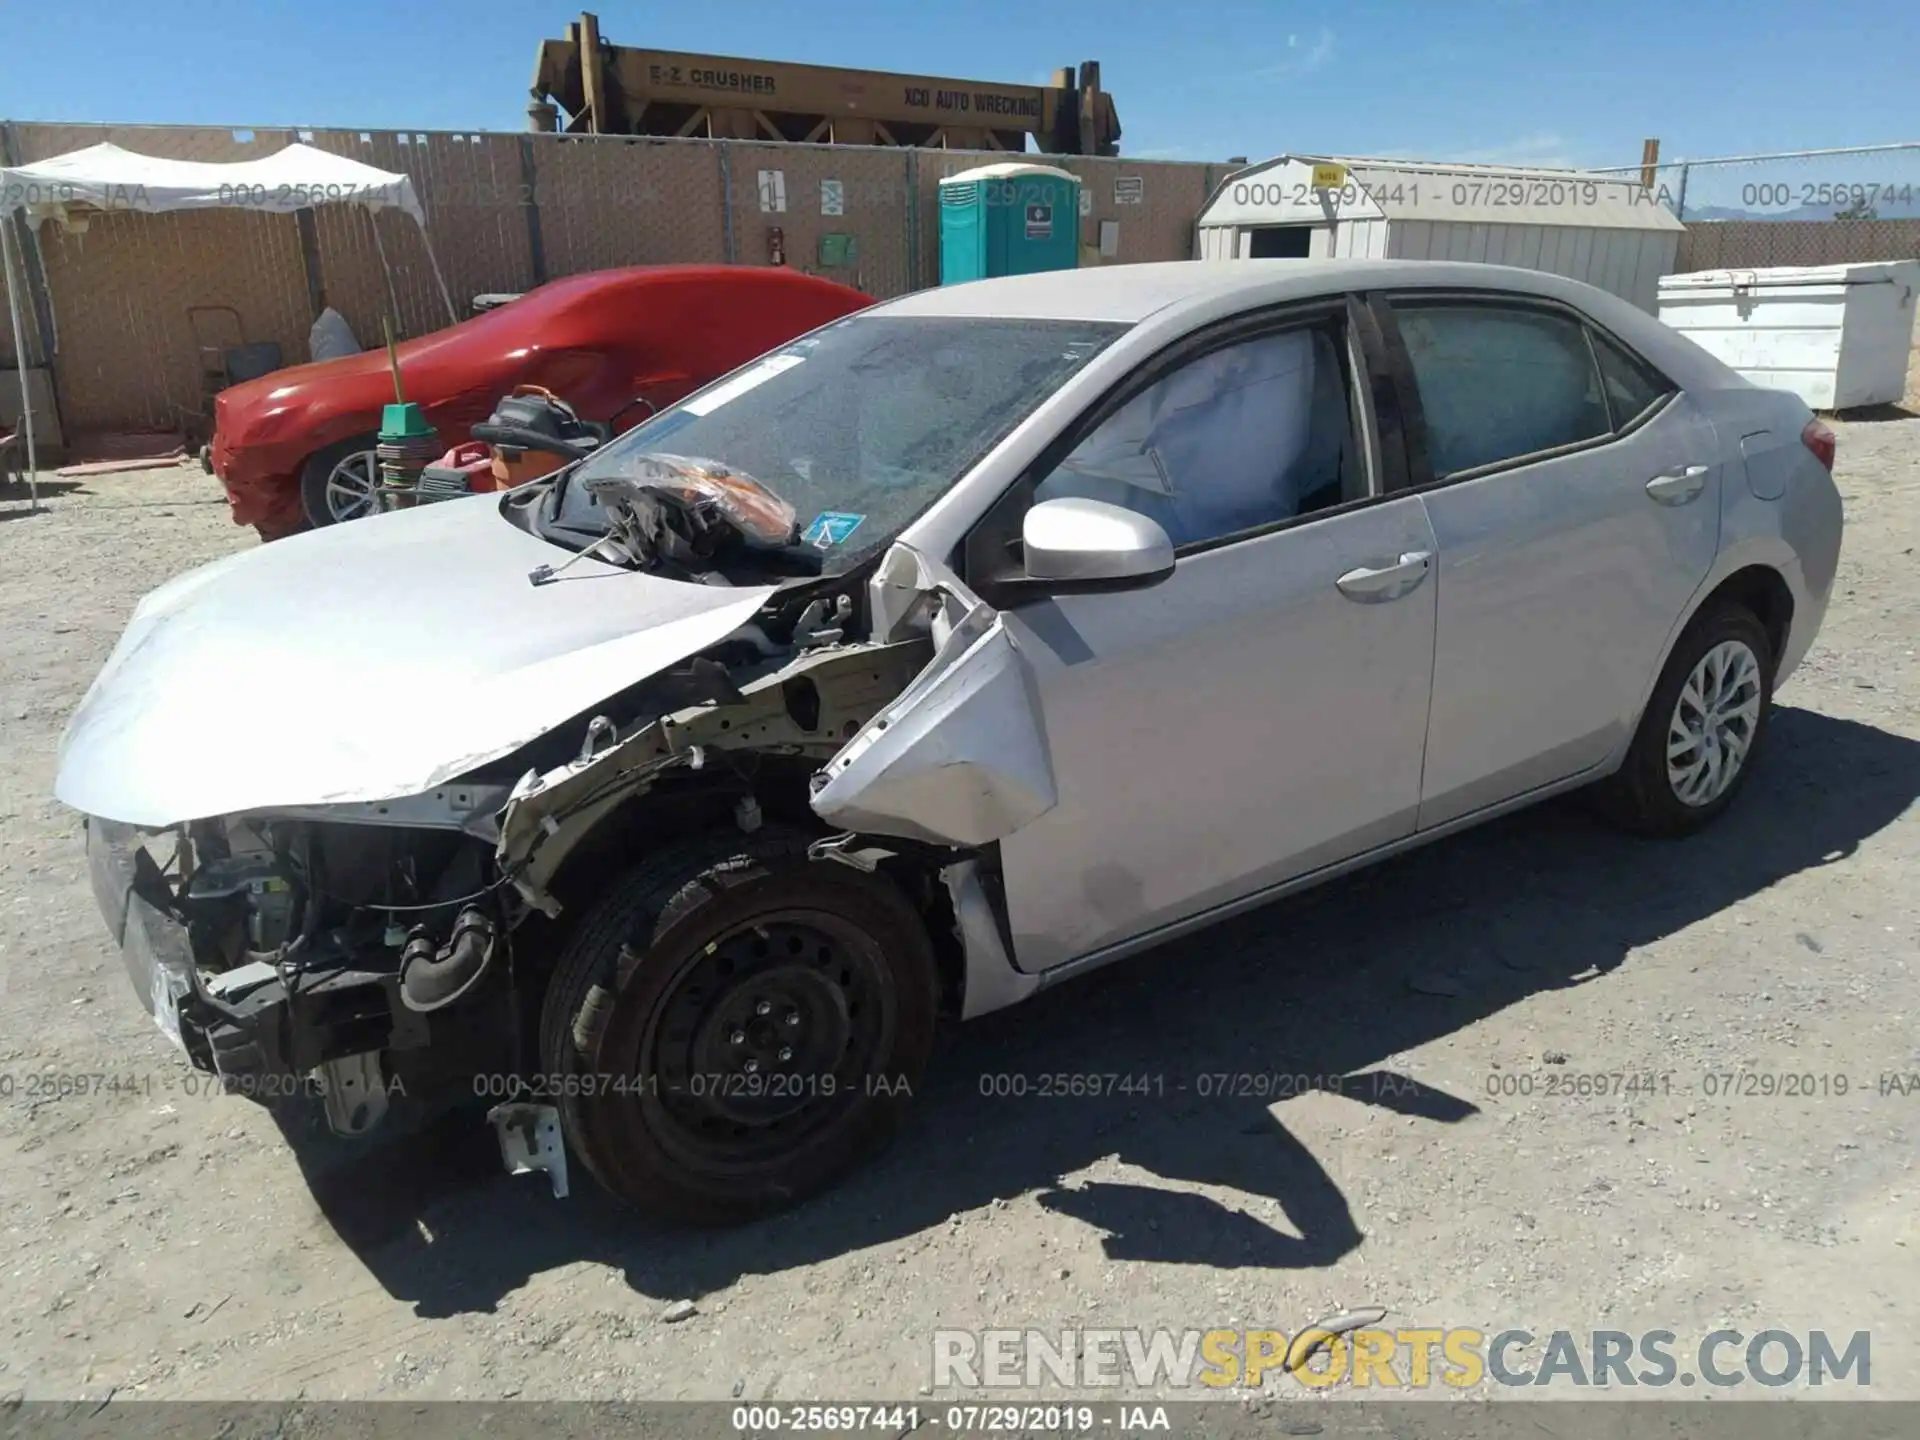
315	473
644	1031
1645	795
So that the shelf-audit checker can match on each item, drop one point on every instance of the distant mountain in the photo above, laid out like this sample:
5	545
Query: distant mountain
1899	208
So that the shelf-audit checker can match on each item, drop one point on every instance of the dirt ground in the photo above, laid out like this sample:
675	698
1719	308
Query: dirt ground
156	1244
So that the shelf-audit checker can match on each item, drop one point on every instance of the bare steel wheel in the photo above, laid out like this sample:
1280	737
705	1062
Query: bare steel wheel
1702	728
767	1036
736	1026
1713	723
340	483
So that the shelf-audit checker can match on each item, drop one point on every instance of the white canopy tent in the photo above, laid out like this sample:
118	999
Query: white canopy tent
106	177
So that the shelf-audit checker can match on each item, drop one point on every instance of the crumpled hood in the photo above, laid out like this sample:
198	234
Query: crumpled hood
366	661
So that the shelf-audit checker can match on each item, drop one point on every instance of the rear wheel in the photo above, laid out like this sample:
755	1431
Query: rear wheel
1702	729
340	483
735	1026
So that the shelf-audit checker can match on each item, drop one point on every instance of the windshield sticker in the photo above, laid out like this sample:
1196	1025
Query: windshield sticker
831	528
748	379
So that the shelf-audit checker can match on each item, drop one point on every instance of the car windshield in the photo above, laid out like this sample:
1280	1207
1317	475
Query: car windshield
858	426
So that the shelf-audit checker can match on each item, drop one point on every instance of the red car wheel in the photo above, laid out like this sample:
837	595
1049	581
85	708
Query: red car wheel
340	483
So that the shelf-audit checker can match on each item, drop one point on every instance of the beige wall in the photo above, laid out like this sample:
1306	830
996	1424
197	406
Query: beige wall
121	292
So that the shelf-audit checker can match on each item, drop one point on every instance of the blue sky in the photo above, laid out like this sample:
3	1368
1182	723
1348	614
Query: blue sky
1523	81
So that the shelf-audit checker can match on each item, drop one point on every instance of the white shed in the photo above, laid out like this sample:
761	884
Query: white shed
1603	229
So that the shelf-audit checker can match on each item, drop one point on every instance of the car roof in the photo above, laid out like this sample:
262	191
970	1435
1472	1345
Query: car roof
1130	293
1178	293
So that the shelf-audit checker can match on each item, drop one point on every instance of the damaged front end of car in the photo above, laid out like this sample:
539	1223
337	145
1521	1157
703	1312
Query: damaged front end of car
375	947
289	955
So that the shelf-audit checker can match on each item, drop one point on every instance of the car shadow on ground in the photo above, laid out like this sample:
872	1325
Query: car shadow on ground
1332	983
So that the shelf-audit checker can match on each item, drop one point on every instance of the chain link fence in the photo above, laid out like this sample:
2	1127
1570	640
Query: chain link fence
1805	207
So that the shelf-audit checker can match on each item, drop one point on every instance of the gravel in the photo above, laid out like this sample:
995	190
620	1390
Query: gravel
156	1242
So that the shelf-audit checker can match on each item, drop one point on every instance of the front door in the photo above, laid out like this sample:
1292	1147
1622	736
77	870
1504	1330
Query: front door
1261	712
1242	723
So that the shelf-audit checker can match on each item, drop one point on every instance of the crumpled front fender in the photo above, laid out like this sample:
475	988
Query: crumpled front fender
808	707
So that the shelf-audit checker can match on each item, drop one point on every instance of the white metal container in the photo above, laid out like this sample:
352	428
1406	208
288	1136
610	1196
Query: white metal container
1836	335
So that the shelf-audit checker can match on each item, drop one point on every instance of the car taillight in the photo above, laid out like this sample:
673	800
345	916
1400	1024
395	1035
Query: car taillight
1821	441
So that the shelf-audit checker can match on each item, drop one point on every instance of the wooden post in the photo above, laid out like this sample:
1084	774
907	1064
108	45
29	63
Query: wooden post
1090	132
310	260
593	74
1649	164
530	186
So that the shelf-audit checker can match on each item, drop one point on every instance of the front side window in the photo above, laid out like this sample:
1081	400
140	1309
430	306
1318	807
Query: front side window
1496	383
859	426
1241	437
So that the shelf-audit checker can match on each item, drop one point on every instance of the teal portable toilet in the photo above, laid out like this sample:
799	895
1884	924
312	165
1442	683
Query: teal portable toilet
1011	218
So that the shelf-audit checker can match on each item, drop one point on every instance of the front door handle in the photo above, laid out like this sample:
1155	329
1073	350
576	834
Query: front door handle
1373	584
1677	487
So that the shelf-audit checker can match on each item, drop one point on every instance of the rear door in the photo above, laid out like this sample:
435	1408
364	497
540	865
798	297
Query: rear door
1574	497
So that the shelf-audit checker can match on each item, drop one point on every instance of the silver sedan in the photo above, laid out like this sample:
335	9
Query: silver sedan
963	645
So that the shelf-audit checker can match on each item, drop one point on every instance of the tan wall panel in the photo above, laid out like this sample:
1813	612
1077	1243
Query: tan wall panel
472	189
37	142
611	202
120	293
1160	225
873	202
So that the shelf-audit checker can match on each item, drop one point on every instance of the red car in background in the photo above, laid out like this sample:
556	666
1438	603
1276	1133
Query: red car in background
295	448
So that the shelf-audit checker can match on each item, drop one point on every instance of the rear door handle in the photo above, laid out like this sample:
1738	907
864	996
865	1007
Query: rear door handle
1677	487
1373	584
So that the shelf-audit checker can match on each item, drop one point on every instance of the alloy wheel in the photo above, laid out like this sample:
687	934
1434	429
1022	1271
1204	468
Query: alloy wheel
353	486
1712	726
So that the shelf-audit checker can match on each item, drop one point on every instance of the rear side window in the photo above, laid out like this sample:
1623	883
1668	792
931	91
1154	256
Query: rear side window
1497	383
1632	389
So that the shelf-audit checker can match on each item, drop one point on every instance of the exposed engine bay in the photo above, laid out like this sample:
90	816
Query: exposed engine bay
398	946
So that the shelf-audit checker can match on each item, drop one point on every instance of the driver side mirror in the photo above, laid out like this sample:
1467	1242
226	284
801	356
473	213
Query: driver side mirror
1071	543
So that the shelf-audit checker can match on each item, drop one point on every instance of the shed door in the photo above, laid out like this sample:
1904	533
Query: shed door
1280	242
